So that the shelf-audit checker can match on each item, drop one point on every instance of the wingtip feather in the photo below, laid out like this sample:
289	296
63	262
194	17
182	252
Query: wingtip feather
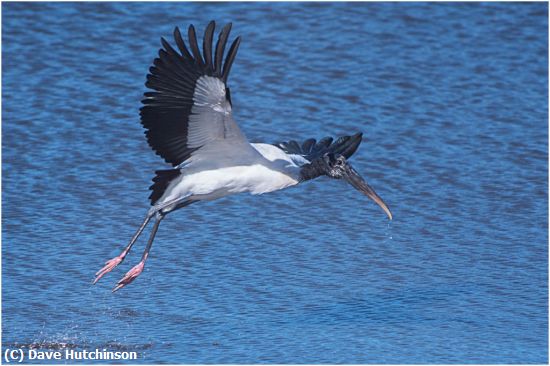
195	46
207	45
181	44
220	48
231	54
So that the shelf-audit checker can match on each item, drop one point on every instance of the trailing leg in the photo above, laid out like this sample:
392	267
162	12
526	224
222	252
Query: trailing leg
137	269
112	263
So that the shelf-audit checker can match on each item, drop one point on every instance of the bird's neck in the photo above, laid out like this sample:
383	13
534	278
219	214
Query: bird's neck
311	171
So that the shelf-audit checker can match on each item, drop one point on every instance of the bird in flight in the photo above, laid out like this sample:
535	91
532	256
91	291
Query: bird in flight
188	121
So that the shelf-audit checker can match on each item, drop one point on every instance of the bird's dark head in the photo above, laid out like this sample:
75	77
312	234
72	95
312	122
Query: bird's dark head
336	166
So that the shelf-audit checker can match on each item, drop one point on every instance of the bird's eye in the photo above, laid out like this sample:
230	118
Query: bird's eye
339	162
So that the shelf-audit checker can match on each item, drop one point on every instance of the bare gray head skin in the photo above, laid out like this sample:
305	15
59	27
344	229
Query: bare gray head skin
336	166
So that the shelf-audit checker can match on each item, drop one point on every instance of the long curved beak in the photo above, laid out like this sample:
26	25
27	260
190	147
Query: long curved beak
353	178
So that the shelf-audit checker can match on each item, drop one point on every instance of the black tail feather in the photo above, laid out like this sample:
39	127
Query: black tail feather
160	183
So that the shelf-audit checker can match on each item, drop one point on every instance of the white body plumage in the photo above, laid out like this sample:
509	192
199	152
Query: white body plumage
265	168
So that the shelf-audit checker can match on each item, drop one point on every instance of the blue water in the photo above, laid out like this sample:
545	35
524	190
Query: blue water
453	101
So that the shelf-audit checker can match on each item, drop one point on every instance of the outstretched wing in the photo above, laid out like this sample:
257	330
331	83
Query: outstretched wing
190	105
311	149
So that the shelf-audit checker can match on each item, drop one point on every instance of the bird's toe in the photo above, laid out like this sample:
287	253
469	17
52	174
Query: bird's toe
130	276
109	266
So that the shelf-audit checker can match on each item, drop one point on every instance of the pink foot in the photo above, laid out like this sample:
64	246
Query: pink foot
130	276
109	266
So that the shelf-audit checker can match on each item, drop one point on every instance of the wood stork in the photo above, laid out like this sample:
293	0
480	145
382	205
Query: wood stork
189	123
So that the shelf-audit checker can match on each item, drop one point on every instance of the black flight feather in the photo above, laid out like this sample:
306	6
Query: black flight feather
230	58
194	46
311	149
207	47
308	145
220	48
172	78
181	45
